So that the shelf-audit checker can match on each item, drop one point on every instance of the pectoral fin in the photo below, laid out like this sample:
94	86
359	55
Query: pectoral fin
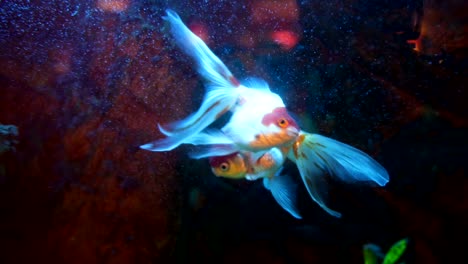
283	190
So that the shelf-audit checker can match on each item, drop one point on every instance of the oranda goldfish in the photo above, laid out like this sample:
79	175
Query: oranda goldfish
259	118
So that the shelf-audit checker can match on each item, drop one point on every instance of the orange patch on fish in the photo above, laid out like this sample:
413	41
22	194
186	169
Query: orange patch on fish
296	145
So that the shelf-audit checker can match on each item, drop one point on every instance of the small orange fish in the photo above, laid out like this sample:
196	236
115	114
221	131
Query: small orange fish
248	165
266	165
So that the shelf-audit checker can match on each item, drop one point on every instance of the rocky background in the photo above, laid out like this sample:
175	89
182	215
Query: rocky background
84	83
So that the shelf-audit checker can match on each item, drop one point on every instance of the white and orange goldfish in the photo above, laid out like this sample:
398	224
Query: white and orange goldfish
260	133
259	118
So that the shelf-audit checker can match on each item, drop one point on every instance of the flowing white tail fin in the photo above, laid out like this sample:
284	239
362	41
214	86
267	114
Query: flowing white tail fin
317	155
215	104
221	94
209	66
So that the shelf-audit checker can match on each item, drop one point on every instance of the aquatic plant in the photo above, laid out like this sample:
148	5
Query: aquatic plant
373	253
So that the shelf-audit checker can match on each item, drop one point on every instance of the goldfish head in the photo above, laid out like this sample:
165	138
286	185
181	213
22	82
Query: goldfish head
260	121
278	129
230	166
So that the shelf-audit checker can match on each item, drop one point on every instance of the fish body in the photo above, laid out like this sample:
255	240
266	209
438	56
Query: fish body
259	118
261	123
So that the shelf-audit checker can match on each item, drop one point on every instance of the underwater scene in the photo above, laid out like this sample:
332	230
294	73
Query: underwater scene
242	131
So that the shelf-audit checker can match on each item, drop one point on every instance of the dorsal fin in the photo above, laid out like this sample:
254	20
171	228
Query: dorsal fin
256	83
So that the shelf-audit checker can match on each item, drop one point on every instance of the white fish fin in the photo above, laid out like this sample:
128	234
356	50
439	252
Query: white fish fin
317	155
216	103
256	83
283	190
211	143
209	65
343	161
164	131
163	144
205	151
209	137
312	176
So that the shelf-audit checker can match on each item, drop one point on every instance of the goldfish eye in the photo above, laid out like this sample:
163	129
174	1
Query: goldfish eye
224	166
282	122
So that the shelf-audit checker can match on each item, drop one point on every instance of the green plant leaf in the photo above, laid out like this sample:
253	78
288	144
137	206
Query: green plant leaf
396	251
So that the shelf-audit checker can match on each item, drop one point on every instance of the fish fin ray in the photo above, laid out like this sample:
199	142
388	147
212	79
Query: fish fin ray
209	137
164	144
256	83
283	190
211	142
318	155
209	65
344	162
205	151
312	176
214	105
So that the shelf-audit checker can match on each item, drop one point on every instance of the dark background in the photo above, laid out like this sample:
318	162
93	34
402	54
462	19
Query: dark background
86	82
